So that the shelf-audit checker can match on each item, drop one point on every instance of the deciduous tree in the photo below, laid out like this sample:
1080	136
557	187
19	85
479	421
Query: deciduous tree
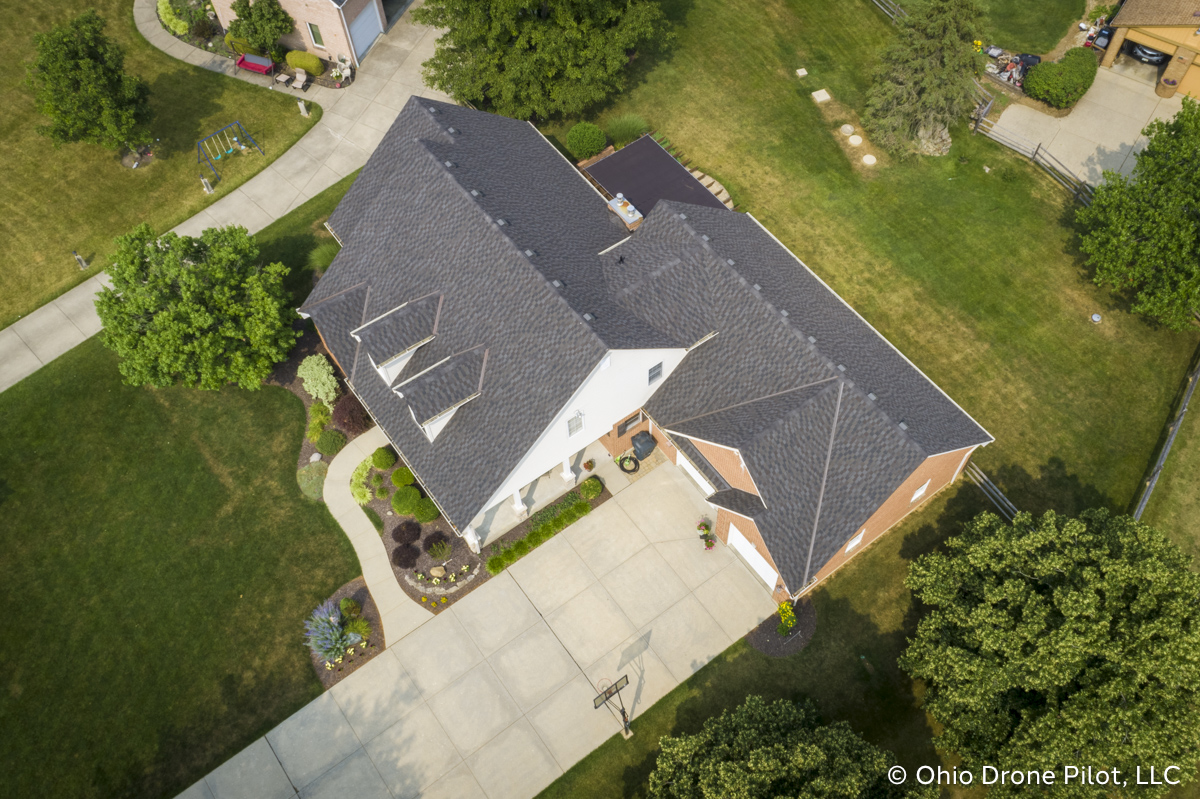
1061	642
79	82
923	83
262	23
765	751
523	58
201	312
1142	233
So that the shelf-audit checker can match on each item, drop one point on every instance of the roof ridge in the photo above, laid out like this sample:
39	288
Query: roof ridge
752	401
824	476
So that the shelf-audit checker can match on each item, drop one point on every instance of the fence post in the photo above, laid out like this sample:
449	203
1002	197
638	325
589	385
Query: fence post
1037	150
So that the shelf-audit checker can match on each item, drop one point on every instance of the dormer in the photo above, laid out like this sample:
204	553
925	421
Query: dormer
392	338
436	394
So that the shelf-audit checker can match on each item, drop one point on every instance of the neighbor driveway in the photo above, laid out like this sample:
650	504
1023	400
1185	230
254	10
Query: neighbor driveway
493	697
1103	131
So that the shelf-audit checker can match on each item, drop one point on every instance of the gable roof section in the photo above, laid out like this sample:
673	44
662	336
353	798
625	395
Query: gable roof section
400	329
445	386
739	426
743	503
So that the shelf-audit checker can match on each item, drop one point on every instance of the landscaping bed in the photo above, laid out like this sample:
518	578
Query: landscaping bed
540	527
766	638
357	590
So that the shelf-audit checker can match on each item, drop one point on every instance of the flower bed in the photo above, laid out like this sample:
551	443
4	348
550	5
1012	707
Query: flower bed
363	651
543	525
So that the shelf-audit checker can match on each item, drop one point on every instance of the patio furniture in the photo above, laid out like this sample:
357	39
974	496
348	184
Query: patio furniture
301	80
283	78
255	63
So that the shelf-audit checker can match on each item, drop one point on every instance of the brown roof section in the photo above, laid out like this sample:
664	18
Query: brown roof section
1158	12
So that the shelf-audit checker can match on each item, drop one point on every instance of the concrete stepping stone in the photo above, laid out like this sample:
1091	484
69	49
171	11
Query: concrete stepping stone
821	96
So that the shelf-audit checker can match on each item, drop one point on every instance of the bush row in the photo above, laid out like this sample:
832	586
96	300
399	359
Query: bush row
173	23
547	523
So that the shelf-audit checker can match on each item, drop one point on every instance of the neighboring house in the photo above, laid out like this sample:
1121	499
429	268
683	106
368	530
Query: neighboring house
329	29
496	318
1169	26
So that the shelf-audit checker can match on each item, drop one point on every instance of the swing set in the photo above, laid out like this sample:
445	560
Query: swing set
230	139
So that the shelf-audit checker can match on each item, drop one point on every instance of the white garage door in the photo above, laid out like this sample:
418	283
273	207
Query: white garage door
364	30
757	562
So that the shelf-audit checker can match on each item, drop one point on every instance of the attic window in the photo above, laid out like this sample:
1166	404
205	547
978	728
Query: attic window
575	424
655	373
920	492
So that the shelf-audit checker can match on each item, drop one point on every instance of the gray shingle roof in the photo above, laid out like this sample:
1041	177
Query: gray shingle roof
701	463
483	213
740	502
400	329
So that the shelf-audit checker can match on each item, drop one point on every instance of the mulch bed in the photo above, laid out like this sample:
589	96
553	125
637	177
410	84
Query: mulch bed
518	532
357	590
766	639
407	542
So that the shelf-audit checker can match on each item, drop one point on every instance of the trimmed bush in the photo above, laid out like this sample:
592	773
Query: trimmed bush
298	59
440	550
1062	83
426	511
239	46
509	556
406	556
171	22
582	508
350	416
495	565
538	536
402	477
359	626
404	501
358	483
375	520
591	488
585	140
319	381
330	442
383	458
312	479
521	548
349	608
376	481
626	128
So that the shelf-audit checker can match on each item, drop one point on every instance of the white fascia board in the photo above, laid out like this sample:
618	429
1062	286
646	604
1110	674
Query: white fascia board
604	398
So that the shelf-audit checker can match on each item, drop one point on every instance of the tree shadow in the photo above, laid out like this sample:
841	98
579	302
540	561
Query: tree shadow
176	134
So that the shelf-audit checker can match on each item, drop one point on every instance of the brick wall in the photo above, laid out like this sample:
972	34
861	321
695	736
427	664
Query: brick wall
322	13
729	463
747	528
939	470
616	444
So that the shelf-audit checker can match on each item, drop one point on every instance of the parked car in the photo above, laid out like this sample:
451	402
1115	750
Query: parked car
1103	37
1146	55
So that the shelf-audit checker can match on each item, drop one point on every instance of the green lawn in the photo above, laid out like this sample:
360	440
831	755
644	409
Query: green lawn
973	274
159	564
79	197
1174	506
1030	26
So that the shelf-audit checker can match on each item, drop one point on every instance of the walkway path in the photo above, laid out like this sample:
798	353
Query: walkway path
1104	130
492	698
353	123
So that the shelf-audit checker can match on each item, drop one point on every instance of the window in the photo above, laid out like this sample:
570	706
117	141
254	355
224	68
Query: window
314	33
855	541
627	425
920	492
655	373
575	424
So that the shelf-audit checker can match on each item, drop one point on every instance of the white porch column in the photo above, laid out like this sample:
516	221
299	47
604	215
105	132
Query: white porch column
518	505
567	473
472	539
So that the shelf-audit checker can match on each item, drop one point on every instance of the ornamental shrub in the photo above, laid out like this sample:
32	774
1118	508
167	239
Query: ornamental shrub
359	626
330	442
383	458
298	59
538	535
171	22
203	28
510	556
626	128
521	548
404	501
426	511
319	381
402	477
320	412
582	508
787	618
321	256
325	635
585	140
350	416
495	565
591	488
1062	83
376	481
358	482
440	550
349	608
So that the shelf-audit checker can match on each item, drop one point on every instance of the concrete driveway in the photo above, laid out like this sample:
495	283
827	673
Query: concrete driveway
1103	131
493	697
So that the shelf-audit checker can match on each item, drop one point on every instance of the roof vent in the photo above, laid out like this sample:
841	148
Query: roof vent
812	340
871	397
556	283
784	313
451	130
704	237
501	222
683	216
474	192
529	253
841	367
729	261
447	163
432	110
903	426
587	317
757	287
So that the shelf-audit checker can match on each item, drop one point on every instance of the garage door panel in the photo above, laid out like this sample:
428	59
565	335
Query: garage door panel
761	566
365	29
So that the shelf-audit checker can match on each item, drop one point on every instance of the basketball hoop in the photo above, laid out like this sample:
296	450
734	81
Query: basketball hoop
608	689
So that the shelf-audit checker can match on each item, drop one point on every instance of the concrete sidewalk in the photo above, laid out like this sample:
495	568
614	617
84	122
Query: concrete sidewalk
352	125
1103	131
492	698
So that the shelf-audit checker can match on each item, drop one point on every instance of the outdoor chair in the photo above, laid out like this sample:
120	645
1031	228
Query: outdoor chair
301	79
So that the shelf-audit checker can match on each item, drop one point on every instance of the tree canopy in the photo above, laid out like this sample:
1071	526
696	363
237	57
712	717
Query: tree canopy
78	79
196	311
923	83
765	751
1142	233
523	58
262	23
1058	642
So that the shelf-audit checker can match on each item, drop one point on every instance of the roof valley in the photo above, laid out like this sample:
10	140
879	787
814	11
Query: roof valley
824	476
